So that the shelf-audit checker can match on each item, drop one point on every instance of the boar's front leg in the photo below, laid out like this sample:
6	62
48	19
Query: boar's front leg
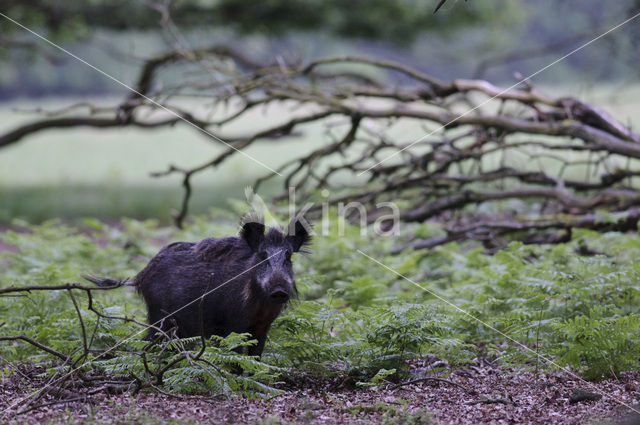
259	333
256	350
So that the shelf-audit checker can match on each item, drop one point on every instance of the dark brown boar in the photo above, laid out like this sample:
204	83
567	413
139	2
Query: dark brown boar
247	281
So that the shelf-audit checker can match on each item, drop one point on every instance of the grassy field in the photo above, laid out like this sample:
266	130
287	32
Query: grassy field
105	173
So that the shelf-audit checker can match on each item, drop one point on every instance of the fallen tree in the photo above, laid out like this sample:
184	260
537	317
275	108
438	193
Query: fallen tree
487	161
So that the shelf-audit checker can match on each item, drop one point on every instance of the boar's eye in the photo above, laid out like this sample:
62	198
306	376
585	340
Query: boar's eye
262	256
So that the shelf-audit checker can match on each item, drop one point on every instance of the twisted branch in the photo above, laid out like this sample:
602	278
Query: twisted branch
482	144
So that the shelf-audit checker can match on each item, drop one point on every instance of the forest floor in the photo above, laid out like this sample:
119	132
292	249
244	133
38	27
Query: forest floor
479	393
476	394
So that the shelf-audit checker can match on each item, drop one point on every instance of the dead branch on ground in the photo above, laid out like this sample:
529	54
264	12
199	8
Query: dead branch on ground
514	162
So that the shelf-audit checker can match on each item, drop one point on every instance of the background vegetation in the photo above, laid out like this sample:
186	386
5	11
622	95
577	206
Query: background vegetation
568	304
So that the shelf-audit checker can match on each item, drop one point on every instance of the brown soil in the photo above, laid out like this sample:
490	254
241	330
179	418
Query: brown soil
484	395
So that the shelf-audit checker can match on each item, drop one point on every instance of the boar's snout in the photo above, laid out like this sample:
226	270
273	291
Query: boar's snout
280	287
279	295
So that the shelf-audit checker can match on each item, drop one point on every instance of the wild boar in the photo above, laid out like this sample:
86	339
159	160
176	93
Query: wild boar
247	279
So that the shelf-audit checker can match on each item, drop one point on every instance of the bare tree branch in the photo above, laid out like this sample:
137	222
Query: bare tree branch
482	144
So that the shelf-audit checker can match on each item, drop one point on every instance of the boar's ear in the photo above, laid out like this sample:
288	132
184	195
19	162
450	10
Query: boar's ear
299	233
252	231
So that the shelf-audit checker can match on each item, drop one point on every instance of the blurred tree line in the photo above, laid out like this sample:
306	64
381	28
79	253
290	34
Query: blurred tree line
464	39
396	21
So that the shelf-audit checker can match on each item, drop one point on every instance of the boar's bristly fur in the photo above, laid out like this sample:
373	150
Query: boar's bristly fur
247	281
